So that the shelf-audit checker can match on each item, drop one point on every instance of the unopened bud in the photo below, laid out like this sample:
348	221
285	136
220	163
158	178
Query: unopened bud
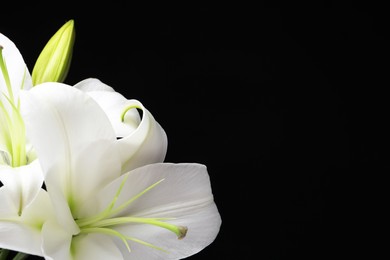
54	61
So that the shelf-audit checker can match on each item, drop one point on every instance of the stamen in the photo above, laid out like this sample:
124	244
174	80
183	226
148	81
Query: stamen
14	135
109	211
112	204
4	70
102	223
146	244
108	231
124	205
6	124
180	231
106	212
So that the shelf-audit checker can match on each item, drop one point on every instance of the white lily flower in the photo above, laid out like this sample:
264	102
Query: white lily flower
156	211
140	141
21	177
15	149
17	169
23	210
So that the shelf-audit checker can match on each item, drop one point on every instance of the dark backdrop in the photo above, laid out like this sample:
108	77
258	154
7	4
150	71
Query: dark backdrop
287	108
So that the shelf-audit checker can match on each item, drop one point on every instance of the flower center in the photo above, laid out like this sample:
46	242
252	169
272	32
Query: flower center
12	135
106	221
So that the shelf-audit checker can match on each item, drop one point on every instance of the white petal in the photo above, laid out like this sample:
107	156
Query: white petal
92	84
146	145
56	242
113	104
184	186
20	238
8	209
184	194
203	227
142	142
74	142
17	69
23	183
95	246
23	233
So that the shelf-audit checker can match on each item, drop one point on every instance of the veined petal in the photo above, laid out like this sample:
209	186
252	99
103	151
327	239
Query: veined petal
22	183
184	186
74	142
19	74
203	227
23	234
184	195
141	142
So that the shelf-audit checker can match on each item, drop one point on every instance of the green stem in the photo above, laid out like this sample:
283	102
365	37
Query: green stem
3	254
20	256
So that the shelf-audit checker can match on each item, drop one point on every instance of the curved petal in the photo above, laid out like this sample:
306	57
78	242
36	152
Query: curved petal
74	142
19	74
93	84
184	194
142	142
23	234
113	105
22	183
146	145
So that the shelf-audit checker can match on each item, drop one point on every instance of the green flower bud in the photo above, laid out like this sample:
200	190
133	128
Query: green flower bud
54	61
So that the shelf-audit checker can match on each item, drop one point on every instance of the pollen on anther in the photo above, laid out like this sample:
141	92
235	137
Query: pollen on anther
183	232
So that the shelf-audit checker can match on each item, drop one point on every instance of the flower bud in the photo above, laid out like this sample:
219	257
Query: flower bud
54	61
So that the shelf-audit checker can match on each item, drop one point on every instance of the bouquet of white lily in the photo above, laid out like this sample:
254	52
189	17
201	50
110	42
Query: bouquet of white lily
82	169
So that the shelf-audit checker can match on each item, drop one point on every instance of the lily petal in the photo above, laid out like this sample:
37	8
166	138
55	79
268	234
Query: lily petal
184	195
95	246
141	142
56	241
93	84
113	104
23	234
74	142
59	245
20	77
23	183
146	145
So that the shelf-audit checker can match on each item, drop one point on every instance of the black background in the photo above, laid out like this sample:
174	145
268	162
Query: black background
288	108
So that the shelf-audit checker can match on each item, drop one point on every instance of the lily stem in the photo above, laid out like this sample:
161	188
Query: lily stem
3	254
20	256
